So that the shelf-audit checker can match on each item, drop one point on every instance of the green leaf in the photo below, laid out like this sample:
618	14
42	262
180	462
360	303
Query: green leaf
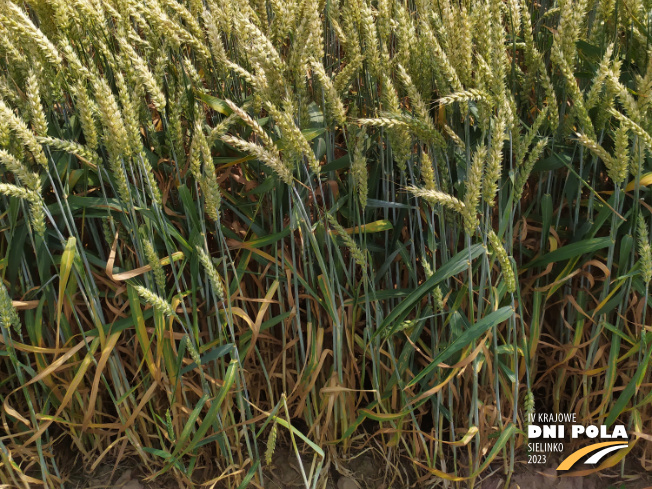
506	435
187	429
217	104
296	432
67	261
311	134
572	250
77	203
455	265
630	390
250	474
207	422
214	354
465	339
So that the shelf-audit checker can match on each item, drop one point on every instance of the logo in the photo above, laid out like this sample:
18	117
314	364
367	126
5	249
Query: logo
601	450
547	433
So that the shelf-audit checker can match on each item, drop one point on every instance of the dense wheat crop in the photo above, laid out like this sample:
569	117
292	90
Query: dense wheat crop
230	224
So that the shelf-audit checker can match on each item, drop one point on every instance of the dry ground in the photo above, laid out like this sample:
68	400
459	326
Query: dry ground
367	471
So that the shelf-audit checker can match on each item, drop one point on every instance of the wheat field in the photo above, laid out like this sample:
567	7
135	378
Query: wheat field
228	226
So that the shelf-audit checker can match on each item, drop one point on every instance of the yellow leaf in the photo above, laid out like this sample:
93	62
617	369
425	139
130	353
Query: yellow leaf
372	227
645	181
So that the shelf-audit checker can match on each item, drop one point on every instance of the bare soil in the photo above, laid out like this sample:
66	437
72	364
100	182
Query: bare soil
526	477
367	470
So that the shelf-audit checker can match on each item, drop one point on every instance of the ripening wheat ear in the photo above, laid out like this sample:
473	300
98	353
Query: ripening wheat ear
129	113
427	269
158	303
306	42
9	47
37	216
15	166
269	157
525	170
370	37
405	33
184	14
418	105
634	127
211	272
214	37
22	25
18	192
421	123
617	167
292	135
212	195
387	122
247	119
574	92
24	134
144	75
628	102
79	150
39	121
75	69
473	189
505	262
356	252
153	260
601	76
399	136
495	159
523	143
427	172
621	150
466	96
333	100
86	112
435	197
205	177
344	78
115	134
359	169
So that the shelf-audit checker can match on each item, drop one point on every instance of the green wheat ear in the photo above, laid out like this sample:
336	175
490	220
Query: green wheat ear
213	276
168	425
644	250
8	314
528	406
438	298
271	444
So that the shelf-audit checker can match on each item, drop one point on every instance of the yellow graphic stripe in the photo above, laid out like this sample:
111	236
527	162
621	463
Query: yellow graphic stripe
575	456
